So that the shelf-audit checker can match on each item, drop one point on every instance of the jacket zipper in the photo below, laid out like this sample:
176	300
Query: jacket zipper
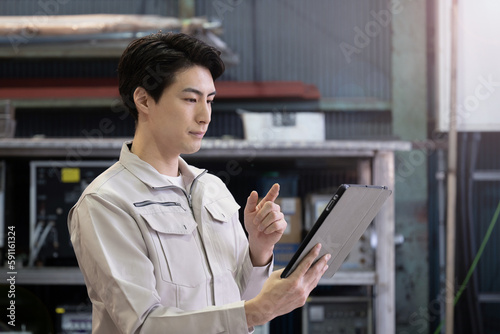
188	195
189	198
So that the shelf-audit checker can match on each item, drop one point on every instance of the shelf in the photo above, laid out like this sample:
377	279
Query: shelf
47	276
84	36
106	97
350	278
73	276
489	298
91	46
103	92
75	149
354	104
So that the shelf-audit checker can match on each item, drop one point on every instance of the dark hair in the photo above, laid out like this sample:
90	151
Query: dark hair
153	61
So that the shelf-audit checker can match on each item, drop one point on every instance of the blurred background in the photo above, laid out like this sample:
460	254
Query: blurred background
315	94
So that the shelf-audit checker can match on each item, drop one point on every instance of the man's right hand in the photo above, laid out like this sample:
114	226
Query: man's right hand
280	296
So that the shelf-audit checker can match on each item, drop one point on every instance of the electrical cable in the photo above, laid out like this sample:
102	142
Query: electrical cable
465	251
475	262
40	243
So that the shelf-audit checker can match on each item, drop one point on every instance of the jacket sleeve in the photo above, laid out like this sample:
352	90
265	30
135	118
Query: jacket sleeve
256	279
250	278
120	280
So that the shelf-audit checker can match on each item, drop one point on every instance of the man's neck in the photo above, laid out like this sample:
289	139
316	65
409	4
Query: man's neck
150	153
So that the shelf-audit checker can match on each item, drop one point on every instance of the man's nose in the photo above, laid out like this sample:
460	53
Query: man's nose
204	113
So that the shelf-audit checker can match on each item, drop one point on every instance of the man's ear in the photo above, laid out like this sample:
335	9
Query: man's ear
141	100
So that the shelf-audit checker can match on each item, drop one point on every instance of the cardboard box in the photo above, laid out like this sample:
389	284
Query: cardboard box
289	243
292	209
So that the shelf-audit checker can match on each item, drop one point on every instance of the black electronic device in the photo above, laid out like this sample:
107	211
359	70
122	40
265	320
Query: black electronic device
341	224
347	315
55	188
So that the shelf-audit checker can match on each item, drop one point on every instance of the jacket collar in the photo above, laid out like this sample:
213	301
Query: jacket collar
148	174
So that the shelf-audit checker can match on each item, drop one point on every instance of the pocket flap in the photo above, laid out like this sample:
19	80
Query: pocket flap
223	209
171	222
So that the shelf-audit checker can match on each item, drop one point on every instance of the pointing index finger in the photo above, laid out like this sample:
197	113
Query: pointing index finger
272	194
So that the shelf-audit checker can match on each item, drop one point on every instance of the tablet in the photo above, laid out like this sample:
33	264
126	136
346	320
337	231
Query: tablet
341	224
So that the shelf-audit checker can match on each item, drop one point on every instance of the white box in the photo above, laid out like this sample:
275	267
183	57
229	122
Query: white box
283	126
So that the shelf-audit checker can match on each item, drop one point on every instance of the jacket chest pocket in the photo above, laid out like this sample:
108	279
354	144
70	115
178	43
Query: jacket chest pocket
181	260
223	209
225	236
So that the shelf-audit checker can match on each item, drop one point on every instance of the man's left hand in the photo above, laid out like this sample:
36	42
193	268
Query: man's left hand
265	225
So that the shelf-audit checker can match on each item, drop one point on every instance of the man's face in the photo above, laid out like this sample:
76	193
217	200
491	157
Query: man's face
180	119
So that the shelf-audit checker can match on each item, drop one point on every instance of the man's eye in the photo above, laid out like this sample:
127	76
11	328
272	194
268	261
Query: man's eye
191	100
210	102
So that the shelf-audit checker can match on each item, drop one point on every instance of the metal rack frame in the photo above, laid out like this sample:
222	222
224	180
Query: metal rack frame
375	163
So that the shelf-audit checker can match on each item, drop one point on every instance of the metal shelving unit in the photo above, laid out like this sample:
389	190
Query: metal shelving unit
211	148
375	163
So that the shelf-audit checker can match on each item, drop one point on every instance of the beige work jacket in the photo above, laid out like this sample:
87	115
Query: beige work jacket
158	259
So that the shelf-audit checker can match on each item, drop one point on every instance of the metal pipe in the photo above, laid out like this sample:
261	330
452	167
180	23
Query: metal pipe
452	179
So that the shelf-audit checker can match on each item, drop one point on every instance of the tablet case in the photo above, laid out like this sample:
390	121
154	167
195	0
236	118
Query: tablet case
341	224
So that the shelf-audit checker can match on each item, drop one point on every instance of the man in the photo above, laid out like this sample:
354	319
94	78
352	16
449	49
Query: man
158	241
